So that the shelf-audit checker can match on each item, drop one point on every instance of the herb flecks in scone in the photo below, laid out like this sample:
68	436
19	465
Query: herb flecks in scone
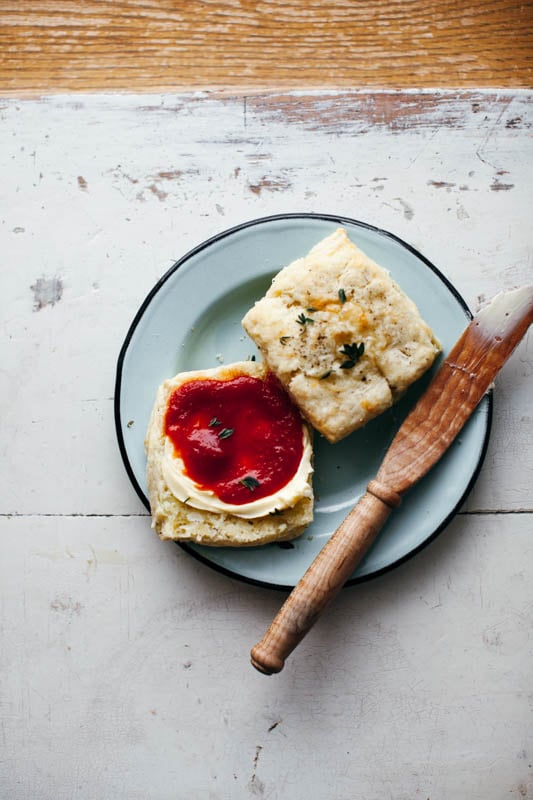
341	336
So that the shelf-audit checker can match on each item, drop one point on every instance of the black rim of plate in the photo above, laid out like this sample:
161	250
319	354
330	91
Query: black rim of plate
161	282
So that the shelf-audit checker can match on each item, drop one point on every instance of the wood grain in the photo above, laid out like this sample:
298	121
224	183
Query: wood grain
463	379
430	428
321	583
165	45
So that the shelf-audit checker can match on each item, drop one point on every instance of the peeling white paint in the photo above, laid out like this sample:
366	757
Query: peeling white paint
125	662
158	170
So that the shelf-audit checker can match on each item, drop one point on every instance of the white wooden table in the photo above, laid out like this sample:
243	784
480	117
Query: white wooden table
124	662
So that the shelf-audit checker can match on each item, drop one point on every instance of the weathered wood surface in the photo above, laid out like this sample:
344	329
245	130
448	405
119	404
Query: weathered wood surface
125	663
125	673
155	45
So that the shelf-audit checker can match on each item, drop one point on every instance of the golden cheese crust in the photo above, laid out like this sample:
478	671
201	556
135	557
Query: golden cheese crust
173	519
310	325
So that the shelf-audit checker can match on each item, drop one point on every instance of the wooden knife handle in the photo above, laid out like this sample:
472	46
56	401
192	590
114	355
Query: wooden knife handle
324	578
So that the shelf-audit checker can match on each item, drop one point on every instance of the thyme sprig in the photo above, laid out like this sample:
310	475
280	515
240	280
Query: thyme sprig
353	353
250	482
303	320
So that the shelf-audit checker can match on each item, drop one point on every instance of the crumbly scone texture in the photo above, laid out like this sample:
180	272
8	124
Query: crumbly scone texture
173	519
346	299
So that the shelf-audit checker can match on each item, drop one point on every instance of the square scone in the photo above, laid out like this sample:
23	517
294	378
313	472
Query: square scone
229	458
341	336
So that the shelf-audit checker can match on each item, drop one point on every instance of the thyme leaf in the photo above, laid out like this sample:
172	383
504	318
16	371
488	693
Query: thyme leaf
284	339
214	422
303	320
325	375
225	433
353	353
342	296
250	482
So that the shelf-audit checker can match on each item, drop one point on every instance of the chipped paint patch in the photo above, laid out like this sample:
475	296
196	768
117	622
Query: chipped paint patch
159	193
256	786
269	184
63	604
408	210
441	184
361	112
46	292
82	183
170	175
173	174
498	186
151	182
257	158
118	172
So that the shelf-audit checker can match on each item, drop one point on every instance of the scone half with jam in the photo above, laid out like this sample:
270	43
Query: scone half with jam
342	337
229	458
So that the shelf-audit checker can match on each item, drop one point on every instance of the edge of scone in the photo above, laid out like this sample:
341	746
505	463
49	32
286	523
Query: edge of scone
173	519
341	336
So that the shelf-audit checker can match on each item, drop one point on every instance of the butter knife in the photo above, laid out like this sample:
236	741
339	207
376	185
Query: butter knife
464	377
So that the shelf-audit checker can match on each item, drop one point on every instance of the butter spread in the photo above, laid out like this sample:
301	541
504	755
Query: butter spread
187	491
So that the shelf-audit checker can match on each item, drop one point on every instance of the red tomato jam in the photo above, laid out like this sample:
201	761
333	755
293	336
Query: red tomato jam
240	438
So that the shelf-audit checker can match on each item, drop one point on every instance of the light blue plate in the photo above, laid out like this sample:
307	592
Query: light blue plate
191	320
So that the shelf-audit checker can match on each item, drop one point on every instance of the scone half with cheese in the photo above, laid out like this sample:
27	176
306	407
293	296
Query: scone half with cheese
229	458
341	336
